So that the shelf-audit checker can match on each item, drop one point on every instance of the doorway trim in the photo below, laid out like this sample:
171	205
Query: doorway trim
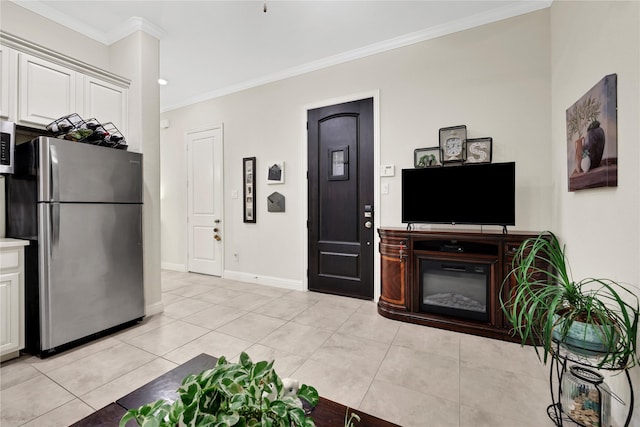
375	94
186	193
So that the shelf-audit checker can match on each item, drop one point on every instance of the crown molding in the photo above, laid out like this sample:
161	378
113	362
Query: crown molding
499	14
132	25
46	11
123	30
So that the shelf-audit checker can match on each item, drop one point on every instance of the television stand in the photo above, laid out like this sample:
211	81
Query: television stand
451	247
423	271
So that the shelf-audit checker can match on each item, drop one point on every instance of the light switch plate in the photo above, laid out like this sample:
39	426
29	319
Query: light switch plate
388	170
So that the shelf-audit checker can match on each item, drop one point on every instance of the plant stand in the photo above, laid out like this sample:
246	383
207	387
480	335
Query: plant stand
560	360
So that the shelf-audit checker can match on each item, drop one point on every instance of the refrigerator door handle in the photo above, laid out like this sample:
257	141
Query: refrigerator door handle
54	219
55	174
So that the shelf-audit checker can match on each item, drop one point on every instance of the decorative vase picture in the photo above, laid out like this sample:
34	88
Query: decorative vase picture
592	137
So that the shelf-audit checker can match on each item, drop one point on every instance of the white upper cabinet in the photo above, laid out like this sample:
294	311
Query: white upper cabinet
46	91
4	82
39	86
105	102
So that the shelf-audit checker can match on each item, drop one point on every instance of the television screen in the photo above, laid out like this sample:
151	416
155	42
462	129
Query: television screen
481	194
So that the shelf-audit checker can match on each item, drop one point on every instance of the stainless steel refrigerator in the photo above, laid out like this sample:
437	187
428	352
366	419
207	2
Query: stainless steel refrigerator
80	205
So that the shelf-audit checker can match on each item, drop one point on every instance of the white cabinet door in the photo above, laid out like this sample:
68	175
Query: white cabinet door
106	103
4	82
47	91
11	298
9	313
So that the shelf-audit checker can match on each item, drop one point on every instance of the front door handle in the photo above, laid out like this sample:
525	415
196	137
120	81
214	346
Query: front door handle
368	224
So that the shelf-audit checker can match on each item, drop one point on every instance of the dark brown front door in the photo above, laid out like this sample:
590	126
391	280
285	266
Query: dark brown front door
340	224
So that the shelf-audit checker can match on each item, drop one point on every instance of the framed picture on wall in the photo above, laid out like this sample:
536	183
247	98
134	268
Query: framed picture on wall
478	150
249	189
592	137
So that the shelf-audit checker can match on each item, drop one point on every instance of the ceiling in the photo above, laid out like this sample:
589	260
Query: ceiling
212	48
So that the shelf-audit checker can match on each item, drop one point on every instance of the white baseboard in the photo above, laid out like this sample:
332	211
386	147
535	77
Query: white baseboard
277	282
151	309
173	267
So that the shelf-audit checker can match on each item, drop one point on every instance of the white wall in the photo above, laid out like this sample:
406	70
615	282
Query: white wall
601	227
494	79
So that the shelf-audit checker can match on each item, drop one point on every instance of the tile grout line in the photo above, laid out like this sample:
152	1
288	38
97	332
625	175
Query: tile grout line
373	378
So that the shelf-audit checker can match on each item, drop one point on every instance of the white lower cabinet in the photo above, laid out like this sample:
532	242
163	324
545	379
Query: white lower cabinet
11	297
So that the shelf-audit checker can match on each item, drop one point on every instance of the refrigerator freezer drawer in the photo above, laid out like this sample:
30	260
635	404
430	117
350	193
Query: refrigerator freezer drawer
90	269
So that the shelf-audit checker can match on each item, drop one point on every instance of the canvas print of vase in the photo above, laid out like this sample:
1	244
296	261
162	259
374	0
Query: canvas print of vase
592	137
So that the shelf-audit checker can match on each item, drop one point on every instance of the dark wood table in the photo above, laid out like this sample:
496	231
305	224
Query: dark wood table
326	414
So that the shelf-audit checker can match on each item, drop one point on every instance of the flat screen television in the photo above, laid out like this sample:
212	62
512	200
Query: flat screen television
482	194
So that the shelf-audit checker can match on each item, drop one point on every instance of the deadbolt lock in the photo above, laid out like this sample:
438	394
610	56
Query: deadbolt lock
368	224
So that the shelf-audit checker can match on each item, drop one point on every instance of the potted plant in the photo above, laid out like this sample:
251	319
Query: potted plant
231	394
592	317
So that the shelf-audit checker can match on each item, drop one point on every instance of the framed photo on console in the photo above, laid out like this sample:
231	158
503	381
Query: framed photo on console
478	150
452	143
249	189
427	157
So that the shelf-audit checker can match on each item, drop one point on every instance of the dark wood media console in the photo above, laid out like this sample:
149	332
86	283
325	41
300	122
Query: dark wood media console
404	253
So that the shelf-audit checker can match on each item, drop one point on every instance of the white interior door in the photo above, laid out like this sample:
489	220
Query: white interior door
204	217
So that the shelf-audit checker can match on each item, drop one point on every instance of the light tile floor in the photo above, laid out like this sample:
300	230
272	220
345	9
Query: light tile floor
409	374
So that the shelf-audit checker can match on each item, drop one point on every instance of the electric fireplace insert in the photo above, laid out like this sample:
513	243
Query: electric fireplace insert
455	288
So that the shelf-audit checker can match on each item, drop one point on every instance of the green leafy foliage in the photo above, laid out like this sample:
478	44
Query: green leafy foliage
546	301
230	394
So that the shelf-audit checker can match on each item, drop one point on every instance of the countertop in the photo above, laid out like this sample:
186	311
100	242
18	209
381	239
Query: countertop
6	242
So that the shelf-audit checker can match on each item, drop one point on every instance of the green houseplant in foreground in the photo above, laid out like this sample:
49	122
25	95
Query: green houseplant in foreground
591	317
231	394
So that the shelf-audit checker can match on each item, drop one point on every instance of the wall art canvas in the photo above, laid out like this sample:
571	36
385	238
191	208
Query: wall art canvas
592	137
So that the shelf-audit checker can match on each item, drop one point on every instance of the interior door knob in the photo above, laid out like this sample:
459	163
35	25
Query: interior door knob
218	238
368	224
